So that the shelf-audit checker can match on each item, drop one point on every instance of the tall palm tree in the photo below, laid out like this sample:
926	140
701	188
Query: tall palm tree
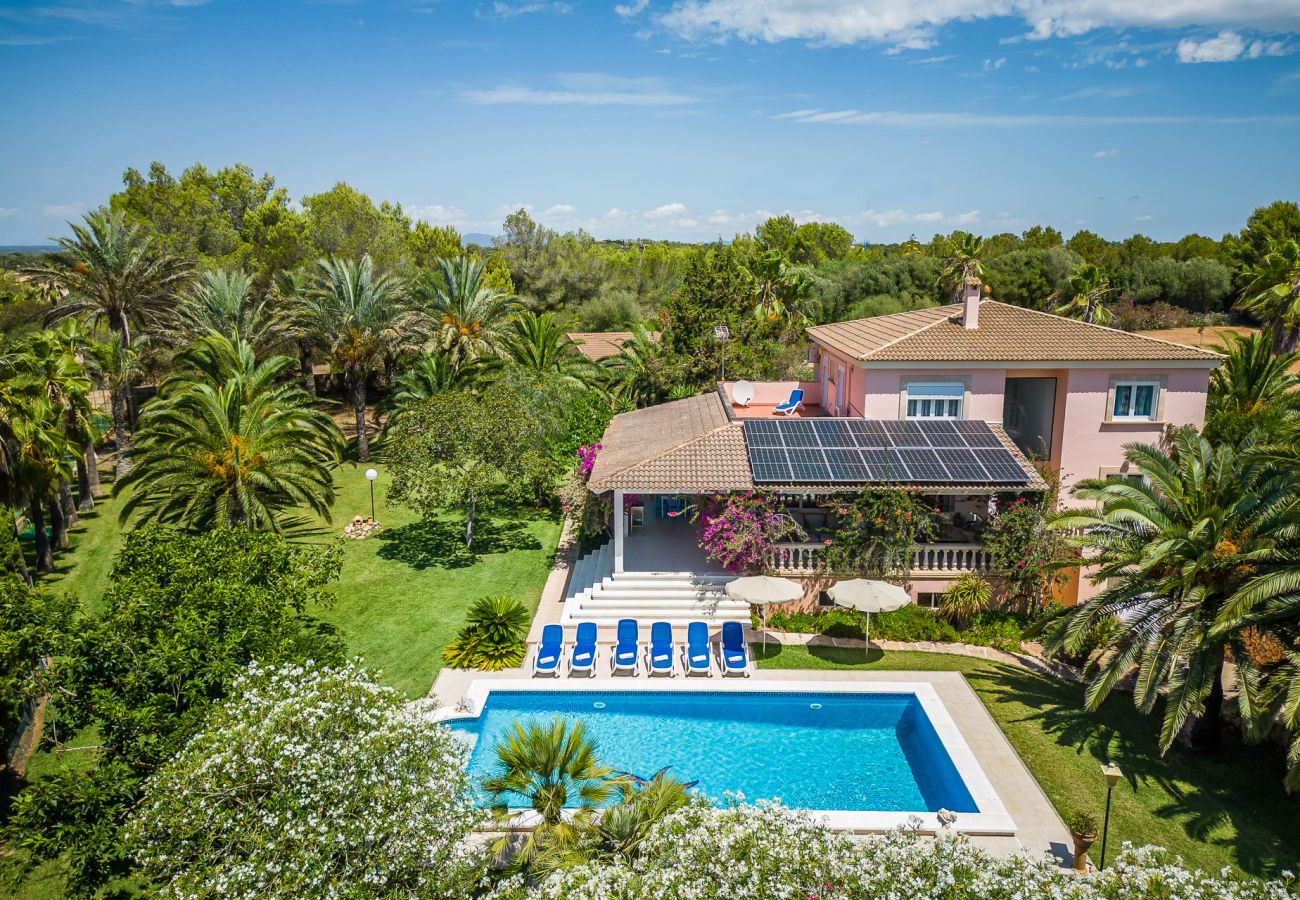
780	290
359	317
1172	551
630	377
114	273
41	454
226	303
228	442
431	374
1087	295
553	768
962	265
75	337
469	315
1253	389
287	292
538	345
119	362
1272	293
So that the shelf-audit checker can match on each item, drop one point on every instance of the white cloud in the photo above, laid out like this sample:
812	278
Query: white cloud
559	209
1224	48
903	119
511	10
63	210
626	10
1142	218
7	211
911	24
583	88
665	211
437	214
1102	154
992	65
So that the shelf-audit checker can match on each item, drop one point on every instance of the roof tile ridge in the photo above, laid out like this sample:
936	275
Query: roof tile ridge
956	307
1210	354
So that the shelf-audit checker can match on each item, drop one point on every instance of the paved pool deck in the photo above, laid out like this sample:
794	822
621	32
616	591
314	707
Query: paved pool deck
1039	830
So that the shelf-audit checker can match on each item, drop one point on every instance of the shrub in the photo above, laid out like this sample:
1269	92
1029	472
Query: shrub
493	636
741	531
1003	630
1081	822
875	532
968	596
1027	556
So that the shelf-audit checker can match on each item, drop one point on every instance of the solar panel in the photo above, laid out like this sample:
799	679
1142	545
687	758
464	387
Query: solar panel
809	465
799	433
977	433
962	465
833	432
941	433
869	434
906	433
1001	466
847	465
883	464
763	433
922	464
769	464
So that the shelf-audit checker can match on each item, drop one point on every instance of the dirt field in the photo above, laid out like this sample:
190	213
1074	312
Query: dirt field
1198	337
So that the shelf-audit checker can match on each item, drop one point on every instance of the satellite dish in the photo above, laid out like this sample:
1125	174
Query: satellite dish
742	393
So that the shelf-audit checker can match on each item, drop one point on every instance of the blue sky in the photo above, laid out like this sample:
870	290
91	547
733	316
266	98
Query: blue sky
681	119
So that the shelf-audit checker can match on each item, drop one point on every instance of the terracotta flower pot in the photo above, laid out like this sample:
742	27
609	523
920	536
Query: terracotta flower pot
1081	844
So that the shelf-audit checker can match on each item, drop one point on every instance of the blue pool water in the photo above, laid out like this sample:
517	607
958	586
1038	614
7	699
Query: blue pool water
810	750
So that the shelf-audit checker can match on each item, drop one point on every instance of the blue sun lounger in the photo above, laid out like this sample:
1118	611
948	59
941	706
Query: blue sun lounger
735	657
659	658
547	659
793	405
625	650
696	652
583	657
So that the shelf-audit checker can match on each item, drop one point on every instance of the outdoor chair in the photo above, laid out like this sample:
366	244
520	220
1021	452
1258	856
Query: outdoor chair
793	405
583	656
735	656
659	656
547	659
696	652
625	650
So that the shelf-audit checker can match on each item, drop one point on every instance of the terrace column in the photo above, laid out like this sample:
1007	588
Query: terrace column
619	527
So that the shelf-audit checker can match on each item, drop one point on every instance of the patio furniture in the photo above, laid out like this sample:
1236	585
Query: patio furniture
659	656
869	596
695	654
625	650
735	656
583	657
547	659
793	405
635	517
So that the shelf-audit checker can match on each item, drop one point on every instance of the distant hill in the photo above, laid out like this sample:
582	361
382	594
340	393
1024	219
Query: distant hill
477	237
28	248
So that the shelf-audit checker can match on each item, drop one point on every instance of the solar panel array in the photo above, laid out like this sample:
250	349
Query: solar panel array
852	451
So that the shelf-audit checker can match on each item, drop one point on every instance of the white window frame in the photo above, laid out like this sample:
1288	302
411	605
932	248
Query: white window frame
1133	385
934	404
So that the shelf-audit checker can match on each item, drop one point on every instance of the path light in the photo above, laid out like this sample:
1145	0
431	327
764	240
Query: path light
1113	775
371	475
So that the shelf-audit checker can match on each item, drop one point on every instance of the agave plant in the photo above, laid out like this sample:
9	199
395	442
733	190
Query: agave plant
968	596
493	636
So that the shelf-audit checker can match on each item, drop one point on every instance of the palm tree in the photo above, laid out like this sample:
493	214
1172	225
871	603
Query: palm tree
227	442
120	361
113	273
962	265
360	317
553	768
1086	301
538	345
1272	293
225	303
629	372
75	338
41	454
431	374
287	292
780	290
1253	390
1172	551
469	316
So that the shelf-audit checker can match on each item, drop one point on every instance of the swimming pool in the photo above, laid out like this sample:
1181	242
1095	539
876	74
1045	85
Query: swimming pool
872	755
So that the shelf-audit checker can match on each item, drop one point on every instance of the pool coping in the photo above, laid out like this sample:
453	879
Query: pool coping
992	818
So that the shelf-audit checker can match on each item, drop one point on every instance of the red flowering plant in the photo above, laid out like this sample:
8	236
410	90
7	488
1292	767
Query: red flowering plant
740	531
874	534
588	513
1026	556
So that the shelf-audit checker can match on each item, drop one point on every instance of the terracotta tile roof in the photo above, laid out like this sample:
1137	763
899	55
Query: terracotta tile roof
600	345
1006	333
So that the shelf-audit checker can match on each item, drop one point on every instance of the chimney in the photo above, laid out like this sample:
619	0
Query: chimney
970	304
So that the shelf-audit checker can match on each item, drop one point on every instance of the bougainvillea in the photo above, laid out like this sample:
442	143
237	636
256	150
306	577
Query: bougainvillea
587	458
589	514
1027	557
875	532
741	531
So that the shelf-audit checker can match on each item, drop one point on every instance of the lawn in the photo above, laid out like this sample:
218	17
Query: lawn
403	592
1213	810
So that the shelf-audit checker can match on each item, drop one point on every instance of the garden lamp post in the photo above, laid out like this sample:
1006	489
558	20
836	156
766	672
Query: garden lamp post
371	475
1113	775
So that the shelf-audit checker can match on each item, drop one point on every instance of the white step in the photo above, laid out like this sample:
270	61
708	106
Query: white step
651	604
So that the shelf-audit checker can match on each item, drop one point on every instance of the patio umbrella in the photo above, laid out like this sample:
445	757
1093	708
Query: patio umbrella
868	596
760	590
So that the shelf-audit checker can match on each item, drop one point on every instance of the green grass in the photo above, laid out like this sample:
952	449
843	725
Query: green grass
1212	809
403	591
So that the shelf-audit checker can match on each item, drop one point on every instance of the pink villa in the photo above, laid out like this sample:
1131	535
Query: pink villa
952	401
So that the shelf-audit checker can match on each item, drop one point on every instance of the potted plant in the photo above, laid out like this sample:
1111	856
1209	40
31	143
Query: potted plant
1083	829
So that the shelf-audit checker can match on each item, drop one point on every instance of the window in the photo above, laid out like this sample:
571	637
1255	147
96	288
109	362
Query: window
929	599
1135	400
1130	477
926	400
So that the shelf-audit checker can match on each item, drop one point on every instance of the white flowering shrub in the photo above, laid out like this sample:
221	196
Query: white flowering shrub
311	782
767	851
